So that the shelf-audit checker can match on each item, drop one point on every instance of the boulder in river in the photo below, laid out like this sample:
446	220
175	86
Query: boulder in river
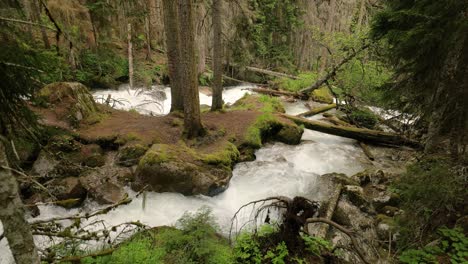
70	189
179	168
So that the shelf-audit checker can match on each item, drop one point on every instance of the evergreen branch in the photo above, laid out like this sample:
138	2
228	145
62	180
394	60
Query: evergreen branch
27	23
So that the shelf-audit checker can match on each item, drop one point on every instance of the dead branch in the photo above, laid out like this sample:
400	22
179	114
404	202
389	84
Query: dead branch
27	23
334	70
346	231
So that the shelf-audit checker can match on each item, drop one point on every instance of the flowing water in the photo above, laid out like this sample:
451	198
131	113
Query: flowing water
279	169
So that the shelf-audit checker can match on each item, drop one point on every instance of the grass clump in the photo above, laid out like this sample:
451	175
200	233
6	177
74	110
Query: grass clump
124	139
263	126
271	104
305	79
363	118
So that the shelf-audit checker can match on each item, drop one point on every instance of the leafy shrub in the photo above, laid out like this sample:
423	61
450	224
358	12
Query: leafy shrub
305	79
196	241
316	245
431	193
453	245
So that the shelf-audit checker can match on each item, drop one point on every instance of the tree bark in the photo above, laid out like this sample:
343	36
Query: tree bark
330	23
280	93
360	134
217	102
189	72
36	11
130	55
16	228
171	28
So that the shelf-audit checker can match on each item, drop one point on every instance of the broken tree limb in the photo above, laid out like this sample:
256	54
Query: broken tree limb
360	134
334	70
321	229
349	233
317	110
366	150
278	93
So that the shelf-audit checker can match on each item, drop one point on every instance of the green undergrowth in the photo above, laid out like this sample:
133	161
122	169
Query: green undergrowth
433	194
451	247
305	79
322	95
263	246
194	240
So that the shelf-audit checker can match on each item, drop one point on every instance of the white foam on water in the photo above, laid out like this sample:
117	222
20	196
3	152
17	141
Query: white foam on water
279	169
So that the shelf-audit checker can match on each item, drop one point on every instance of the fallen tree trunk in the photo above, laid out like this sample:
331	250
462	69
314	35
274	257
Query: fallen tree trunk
333	70
272	73
321	229
317	110
279	93
360	134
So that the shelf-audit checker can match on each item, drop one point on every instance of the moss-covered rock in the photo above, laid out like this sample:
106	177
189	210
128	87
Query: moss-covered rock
226	157
72	96
179	168
322	95
289	134
130	154
355	195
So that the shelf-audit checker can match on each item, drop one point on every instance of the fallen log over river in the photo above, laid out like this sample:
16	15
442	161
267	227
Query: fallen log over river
360	134
280	93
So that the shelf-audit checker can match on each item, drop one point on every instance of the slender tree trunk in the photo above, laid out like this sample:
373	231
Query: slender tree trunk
130	55
171	27
217	102
148	38
192	120
16	228
329	26
93	25
36	9
362	9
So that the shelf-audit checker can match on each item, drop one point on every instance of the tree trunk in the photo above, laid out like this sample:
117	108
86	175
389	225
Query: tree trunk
130	55
360	134
171	27
188	63
362	10
148	38
16	228
36	10
330	22
217	102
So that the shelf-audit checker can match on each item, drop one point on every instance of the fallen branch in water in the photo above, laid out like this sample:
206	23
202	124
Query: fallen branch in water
360	134
280	93
317	110
346	231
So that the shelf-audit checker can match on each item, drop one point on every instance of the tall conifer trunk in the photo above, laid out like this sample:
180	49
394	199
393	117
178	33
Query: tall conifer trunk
217	102
171	28
188	63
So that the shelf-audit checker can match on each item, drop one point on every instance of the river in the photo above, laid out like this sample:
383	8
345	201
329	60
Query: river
279	169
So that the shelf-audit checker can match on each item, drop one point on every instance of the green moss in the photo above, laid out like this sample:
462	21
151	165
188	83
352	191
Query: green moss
262	126
157	154
305	79
364	118
271	104
322	95
129	154
176	122
290	134
95	160
95	118
226	157
124	139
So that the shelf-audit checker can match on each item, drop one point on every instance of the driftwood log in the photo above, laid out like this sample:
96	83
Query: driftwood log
360	134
